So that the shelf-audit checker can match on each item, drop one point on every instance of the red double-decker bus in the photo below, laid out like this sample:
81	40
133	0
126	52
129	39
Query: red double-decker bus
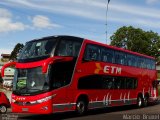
65	73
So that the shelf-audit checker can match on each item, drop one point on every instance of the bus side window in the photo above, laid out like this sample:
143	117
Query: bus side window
120	58
153	64
134	61
65	48
119	83
141	62
90	82
76	48
135	83
48	47
92	53
131	83
148	63
131	60
108	82
107	55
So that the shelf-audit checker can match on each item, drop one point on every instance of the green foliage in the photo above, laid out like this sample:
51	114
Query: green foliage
15	51
137	40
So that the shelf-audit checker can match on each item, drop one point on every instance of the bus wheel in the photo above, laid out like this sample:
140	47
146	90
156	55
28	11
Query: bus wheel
3	109
145	101
139	101
81	107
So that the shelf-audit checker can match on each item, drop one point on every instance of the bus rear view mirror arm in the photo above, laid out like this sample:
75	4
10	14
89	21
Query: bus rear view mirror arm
5	66
54	60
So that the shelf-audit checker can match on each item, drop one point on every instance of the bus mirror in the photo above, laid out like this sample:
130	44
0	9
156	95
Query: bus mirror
5	66
54	60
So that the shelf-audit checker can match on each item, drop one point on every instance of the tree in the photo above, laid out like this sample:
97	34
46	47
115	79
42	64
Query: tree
137	40
15	51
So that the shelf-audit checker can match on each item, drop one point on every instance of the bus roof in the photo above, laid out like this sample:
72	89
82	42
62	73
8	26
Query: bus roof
118	49
91	41
58	37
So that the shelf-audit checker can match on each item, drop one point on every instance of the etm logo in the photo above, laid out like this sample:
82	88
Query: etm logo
107	69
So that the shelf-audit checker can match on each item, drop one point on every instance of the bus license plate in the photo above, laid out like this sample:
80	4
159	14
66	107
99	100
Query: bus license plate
25	109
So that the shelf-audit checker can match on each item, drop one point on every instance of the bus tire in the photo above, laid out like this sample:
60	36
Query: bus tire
3	109
145	101
139	101
81	107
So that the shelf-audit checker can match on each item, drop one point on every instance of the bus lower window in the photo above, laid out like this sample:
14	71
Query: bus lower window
107	82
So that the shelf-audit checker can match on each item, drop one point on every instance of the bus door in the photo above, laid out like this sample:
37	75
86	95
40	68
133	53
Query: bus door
60	77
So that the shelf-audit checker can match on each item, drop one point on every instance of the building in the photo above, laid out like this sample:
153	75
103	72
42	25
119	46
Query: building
4	59
8	73
8	78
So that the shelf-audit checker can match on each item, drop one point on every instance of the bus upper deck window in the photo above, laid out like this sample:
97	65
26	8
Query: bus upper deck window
92	53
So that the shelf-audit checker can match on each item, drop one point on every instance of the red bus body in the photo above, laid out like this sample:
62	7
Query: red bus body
65	98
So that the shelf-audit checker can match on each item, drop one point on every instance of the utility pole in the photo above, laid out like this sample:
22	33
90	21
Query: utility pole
107	20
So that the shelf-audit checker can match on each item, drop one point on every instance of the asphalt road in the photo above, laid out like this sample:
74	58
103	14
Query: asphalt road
151	112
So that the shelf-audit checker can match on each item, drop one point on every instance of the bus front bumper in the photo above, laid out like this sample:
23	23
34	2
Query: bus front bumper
43	108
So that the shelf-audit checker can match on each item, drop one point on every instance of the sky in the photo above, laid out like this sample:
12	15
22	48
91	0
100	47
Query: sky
25	20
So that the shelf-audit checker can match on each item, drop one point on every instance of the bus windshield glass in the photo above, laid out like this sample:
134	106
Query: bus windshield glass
44	48
36	49
30	81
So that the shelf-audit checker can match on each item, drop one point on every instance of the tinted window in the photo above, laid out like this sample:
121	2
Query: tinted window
120	58
68	48
141	62
119	83
37	49
106	82
148	63
107	55
92	52
90	82
60	74
131	83
131	60
100	53
153	63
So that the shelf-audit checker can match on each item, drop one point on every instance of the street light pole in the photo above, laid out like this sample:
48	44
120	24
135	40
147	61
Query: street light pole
107	20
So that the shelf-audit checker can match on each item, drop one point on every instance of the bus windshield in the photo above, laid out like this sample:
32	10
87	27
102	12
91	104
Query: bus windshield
30	81
44	48
36	49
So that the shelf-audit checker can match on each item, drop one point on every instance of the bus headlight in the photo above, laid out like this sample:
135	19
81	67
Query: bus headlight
34	102
13	100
